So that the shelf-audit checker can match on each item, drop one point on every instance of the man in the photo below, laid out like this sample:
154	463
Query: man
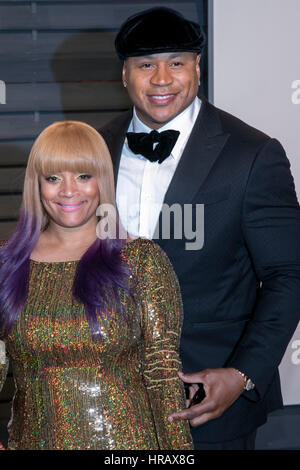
241	287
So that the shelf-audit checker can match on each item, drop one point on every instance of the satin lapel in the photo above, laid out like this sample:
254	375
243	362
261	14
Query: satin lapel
202	150
115	140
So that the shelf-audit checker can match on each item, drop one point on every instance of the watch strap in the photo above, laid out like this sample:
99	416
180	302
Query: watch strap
248	384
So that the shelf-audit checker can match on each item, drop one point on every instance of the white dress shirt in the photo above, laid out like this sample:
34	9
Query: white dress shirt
141	184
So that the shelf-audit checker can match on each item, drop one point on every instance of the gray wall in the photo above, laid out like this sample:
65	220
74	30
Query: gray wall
256	76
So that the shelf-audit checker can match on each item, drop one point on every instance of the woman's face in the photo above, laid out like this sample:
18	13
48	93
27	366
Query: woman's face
70	199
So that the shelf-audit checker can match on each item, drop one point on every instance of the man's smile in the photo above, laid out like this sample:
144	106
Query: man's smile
162	99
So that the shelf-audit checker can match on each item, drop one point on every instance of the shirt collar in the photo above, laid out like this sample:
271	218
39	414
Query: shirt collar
183	123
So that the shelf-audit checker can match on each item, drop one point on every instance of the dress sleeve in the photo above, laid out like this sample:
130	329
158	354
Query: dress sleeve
3	356
3	370
3	364
161	322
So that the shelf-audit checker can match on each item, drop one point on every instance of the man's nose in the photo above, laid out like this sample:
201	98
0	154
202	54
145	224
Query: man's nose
162	75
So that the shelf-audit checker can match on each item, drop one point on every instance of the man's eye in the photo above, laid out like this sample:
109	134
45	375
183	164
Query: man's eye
176	64
146	66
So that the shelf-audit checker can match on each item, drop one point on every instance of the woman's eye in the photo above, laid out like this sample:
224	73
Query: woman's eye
85	176
52	178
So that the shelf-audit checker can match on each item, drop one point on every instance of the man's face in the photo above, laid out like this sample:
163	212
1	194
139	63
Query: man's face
161	86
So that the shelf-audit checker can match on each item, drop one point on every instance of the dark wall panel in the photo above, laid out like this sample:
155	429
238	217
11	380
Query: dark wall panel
63	15
27	125
14	152
66	96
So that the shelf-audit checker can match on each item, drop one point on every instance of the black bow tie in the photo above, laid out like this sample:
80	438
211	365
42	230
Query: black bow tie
142	144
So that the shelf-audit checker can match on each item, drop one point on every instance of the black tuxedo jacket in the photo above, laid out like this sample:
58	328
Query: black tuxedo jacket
241	290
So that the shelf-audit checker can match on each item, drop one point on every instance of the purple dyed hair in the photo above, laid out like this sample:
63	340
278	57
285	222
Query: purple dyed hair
14	270
101	270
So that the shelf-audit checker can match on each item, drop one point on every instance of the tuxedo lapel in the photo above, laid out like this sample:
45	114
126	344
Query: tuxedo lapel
202	150
114	135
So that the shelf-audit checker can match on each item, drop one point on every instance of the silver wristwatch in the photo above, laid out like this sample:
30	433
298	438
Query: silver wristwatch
248	384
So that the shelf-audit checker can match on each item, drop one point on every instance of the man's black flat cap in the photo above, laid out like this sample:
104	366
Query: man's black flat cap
158	30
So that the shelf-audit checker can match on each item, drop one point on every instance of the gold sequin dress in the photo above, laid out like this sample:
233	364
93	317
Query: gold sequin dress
74	393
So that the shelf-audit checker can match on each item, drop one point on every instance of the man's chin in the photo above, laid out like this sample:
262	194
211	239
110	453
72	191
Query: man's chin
160	121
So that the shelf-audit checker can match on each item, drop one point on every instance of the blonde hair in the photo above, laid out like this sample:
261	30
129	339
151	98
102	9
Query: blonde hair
67	146
76	147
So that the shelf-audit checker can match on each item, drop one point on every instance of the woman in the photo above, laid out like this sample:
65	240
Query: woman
91	324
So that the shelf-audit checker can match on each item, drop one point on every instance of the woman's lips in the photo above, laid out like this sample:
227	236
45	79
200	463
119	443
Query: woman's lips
161	100
70	207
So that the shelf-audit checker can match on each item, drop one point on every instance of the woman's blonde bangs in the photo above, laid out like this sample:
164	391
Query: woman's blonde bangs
68	146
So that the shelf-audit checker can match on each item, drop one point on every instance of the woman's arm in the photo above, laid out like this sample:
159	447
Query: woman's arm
3	364
161	321
3	370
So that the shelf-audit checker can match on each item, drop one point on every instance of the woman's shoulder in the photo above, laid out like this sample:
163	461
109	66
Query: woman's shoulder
140	247
143	252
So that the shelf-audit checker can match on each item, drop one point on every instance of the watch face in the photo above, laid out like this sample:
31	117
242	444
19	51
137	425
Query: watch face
249	385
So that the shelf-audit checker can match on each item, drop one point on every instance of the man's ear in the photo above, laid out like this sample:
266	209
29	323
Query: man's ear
198	57
124	72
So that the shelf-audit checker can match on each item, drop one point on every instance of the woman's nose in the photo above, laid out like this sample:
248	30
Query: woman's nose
68	187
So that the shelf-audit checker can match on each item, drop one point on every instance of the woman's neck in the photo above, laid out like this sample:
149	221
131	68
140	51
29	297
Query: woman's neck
58	243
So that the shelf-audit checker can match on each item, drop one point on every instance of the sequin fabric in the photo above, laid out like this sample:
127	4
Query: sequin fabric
75	393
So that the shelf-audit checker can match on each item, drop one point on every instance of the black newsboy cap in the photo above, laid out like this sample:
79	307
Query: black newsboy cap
158	30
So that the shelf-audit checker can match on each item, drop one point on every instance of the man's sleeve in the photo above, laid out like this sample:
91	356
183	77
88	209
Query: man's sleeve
271	227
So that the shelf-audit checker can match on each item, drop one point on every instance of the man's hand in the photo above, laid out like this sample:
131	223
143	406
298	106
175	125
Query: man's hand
222	387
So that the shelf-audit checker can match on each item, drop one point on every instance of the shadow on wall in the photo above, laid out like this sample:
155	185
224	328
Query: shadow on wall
88	73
